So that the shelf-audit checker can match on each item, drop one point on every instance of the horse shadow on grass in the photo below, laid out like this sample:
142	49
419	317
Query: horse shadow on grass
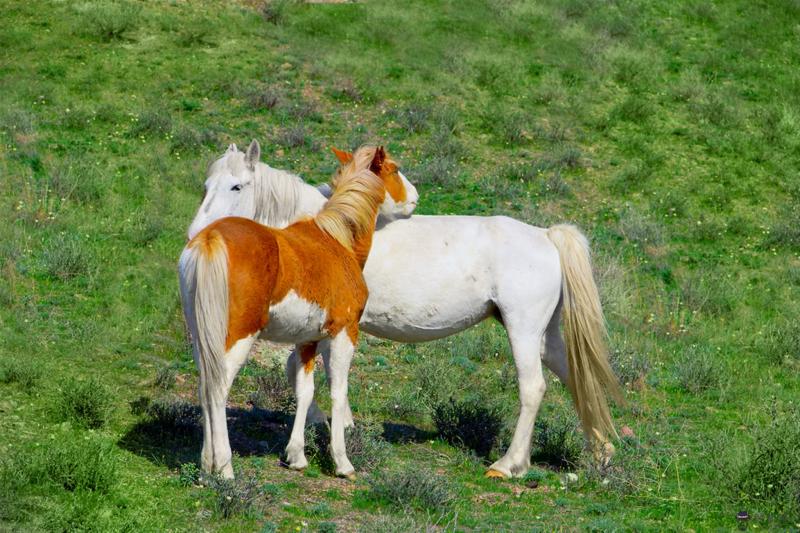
169	433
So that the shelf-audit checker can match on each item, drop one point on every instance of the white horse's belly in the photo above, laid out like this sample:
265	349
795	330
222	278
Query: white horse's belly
427	281
295	320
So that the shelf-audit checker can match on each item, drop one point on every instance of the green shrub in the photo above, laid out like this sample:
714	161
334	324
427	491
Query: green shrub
273	391
410	487
364	444
24	373
152	122
87	403
470	424
109	20
780	342
630	366
437	384
557	439
234	497
65	257
698	370
172	416
165	377
75	462
764	474
189	474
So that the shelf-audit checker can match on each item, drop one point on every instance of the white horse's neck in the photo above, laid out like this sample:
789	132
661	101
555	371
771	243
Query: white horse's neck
281	198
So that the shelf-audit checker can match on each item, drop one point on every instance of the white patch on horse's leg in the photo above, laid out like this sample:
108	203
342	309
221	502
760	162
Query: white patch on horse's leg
555	352
221	454
341	354
304	393
517	459
348	414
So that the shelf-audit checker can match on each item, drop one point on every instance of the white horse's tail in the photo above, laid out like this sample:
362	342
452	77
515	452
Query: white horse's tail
204	292
590	374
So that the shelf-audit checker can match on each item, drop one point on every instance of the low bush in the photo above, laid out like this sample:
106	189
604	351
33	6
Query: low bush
273	391
410	487
65	257
698	370
234	497
366	448
557	438
25	373
74	462
109	20
87	403
470	424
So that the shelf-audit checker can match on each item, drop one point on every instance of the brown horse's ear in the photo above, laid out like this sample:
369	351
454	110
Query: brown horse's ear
377	160
343	157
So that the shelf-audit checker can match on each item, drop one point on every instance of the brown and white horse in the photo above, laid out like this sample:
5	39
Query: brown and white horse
302	284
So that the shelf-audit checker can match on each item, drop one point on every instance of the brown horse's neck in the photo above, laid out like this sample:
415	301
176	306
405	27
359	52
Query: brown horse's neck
361	248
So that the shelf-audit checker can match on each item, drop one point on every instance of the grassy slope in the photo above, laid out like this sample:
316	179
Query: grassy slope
669	132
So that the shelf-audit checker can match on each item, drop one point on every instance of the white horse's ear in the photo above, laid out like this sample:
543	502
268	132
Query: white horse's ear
253	154
232	148
325	189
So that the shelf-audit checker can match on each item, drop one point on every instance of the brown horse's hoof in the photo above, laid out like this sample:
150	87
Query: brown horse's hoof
496	474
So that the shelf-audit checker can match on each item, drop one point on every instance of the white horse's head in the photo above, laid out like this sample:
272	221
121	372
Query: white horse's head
238	184
401	196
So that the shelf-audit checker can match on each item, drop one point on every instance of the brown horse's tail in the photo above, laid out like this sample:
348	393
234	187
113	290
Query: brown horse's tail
590	374
203	271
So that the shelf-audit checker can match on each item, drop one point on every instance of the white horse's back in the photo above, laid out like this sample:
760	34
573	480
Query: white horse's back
438	275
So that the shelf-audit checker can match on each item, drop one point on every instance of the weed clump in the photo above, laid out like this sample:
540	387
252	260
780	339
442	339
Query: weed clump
65	258
780	342
172	416
630	366
557	439
697	370
366	448
470	424
24	373
765	475
234	497
412	488
77	462
110	20
87	403
273	391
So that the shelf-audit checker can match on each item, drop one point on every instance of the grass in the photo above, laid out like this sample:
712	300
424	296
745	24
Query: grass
668	132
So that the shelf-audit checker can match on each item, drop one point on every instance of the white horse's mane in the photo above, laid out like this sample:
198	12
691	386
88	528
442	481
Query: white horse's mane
279	197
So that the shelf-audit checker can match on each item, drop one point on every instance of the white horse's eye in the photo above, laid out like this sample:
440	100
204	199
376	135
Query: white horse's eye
236	187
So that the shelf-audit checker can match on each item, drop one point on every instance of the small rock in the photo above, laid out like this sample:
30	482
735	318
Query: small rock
572	478
605	482
532	484
279	153
627	432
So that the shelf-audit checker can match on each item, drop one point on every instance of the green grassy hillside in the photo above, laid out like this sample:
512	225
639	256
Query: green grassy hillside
668	131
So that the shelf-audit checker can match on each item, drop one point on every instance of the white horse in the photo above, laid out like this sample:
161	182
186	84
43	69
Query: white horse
434	276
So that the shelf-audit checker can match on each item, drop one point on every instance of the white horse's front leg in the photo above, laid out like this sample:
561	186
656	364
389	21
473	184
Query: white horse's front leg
315	414
341	348
216	455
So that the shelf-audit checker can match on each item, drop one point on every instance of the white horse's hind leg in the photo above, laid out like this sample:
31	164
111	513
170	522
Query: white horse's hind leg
315	414
526	347
216	455
342	349
348	413
555	352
